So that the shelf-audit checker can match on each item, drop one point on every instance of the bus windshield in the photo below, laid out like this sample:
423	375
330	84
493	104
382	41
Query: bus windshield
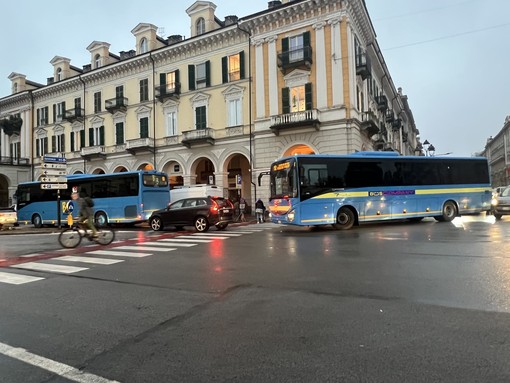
283	179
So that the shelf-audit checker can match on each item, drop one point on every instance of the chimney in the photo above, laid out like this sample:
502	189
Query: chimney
87	68
173	39
127	54
272	4
229	20
50	80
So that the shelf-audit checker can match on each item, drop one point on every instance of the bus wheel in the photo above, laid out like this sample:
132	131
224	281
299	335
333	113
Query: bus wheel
101	219
344	219
449	212
37	221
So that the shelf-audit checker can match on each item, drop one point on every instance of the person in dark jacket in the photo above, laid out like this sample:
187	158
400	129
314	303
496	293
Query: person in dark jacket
86	214
259	210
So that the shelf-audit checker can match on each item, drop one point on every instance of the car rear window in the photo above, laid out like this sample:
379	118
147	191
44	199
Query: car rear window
222	202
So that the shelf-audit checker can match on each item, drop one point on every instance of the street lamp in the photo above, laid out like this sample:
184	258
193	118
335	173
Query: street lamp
429	148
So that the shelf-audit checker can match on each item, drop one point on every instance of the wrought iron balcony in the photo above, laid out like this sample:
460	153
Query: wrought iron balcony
168	91
382	103
295	58
390	116
396	124
140	145
75	114
306	118
93	152
116	104
369	123
363	65
198	136
13	161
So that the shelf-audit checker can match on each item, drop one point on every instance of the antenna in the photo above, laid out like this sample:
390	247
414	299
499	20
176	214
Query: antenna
161	31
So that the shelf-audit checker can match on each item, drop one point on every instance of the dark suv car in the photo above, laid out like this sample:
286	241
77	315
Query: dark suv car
200	212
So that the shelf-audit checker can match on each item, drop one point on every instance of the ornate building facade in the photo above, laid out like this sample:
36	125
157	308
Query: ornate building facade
302	76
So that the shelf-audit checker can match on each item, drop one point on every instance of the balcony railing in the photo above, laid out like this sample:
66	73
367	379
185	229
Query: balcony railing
198	136
140	145
382	103
369	123
166	91
305	118
115	104
13	161
76	114
93	151
363	65
295	58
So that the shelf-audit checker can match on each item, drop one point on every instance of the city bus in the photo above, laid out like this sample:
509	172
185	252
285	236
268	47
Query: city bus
126	197
346	190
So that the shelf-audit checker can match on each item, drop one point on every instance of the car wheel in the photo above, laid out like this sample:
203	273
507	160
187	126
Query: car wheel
201	224
156	224
37	221
221	226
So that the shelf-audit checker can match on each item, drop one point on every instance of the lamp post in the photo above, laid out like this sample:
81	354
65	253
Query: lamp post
429	149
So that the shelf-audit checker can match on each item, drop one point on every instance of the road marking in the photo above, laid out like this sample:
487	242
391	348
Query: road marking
174	242
17	279
39	266
245	231
29	255
120	253
191	239
199	236
58	368
96	261
166	244
145	248
221	234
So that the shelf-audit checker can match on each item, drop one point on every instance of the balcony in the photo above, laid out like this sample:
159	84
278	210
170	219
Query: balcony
13	161
76	114
168	91
140	145
116	104
295	58
90	152
303	119
369	124
396	124
363	65
11	125
390	117
382	103
198	136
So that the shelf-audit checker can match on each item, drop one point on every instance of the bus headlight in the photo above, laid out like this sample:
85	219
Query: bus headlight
291	215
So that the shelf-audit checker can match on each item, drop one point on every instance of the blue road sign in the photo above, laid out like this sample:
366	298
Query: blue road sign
61	160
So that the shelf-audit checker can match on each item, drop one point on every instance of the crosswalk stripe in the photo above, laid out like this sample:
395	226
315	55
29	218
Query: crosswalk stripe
40	266
174	242
199	236
119	253
221	234
191	239
96	261
165	244
145	248
17	279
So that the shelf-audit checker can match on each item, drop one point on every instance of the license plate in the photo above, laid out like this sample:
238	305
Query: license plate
505	208
226	211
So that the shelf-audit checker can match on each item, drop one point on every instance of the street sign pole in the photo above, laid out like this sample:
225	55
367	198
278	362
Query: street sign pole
58	208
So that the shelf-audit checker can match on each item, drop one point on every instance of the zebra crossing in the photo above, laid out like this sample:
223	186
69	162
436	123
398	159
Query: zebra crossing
71	264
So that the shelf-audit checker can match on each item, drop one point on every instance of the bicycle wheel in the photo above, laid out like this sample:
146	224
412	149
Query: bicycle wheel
69	238
105	236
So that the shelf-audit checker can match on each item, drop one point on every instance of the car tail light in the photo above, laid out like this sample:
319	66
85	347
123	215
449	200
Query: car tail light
214	207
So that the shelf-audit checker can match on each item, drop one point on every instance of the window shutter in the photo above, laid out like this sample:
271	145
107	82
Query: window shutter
224	69
37	145
177	78
38	117
308	96
54	112
306	39
285	51
91	137
63	146
45	145
144	127
191	77
162	78
63	109
285	100
46	114
208	73
119	133
82	138
241	64
53	144
101	135
72	141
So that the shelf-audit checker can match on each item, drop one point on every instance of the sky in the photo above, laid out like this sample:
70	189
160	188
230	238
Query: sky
450	57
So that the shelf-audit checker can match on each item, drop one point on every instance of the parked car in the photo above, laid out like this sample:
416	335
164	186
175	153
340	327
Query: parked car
200	212
8	217
501	203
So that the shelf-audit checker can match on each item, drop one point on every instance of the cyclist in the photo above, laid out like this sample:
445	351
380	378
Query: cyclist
86	214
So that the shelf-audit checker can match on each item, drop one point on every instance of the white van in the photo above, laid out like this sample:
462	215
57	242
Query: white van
198	190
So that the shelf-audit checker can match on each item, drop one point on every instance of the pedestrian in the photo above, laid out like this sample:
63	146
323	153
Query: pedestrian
86	213
242	209
260	210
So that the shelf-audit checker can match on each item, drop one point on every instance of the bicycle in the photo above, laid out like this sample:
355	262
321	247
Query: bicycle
72	236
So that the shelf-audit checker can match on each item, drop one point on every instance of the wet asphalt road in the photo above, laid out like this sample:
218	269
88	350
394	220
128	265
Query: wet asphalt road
394	302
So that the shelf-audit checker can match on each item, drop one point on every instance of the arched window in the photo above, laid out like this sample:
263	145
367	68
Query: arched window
143	45
200	26
97	61
59	74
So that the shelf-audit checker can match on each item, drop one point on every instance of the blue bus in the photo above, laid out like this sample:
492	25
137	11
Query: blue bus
126	197
346	190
